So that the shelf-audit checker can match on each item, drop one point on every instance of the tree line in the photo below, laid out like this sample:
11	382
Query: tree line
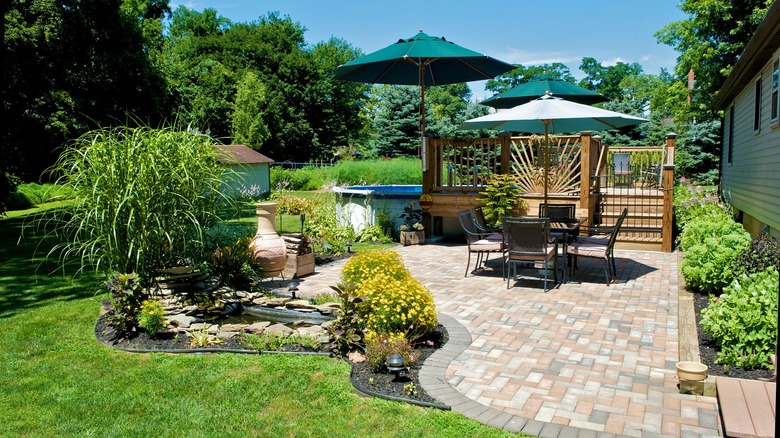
74	65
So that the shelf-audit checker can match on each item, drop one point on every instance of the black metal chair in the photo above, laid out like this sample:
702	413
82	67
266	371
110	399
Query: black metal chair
480	243
482	226
558	212
597	247
528	241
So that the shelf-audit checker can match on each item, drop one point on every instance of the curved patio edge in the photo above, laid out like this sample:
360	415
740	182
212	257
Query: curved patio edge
434	380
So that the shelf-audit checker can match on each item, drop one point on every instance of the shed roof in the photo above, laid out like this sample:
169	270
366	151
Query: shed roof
757	53
240	154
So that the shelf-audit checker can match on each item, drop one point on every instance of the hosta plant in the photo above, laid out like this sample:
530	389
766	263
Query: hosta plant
743	320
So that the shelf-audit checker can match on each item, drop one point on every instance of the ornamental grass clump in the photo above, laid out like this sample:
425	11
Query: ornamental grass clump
142	198
743	320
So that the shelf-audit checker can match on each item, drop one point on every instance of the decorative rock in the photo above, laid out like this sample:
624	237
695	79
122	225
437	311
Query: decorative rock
312	331
325	325
227	335
277	302
233	327
356	357
242	294
181	321
189	309
299	305
258	326
279	329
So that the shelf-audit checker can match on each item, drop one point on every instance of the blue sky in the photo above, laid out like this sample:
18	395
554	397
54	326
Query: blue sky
519	32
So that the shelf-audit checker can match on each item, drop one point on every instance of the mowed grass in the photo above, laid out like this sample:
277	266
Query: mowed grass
57	380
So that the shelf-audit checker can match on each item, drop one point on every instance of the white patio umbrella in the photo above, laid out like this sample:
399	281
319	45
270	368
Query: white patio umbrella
549	114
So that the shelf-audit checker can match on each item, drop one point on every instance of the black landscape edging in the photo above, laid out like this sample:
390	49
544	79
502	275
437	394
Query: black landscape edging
395	398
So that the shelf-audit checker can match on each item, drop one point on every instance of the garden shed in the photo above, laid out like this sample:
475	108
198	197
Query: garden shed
250	169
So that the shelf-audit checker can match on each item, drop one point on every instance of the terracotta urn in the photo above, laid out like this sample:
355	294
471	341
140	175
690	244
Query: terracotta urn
270	251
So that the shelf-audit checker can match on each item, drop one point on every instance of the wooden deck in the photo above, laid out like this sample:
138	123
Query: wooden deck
748	407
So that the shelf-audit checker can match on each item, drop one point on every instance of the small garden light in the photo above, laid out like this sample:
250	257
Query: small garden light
348	243
395	364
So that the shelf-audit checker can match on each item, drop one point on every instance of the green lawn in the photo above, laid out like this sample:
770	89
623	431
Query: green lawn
57	380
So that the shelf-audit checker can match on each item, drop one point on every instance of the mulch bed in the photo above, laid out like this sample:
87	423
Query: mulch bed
708	350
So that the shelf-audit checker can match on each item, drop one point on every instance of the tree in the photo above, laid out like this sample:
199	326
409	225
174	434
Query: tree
606	79
396	120
521	75
247	119
710	42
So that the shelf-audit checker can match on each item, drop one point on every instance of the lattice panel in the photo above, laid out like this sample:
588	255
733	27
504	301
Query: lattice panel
527	164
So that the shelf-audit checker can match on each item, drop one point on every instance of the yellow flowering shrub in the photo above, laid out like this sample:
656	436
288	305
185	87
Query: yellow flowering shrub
370	263
396	305
380	346
152	316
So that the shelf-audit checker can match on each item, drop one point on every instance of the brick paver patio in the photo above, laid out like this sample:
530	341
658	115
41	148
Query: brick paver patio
583	359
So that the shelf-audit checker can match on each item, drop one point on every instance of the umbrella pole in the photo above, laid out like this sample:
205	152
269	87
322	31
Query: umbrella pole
422	109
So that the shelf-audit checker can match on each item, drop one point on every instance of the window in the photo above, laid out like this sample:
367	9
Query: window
757	107
731	132
775	110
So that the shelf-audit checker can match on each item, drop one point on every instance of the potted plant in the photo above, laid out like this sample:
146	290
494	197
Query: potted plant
502	198
412	231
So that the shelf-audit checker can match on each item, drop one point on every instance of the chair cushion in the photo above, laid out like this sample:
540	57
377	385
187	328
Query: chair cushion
593	239
531	257
487	245
495	237
587	249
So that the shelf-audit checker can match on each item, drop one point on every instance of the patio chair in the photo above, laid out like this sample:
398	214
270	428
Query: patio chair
481	223
621	169
480	243
598	248
558	212
529	240
599	233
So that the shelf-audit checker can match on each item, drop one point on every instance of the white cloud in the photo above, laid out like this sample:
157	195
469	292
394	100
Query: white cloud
527	58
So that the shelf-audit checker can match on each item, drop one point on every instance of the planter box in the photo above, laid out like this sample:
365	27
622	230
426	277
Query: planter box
298	266
412	237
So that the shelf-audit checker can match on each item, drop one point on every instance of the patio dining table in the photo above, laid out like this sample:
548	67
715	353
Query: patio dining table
565	231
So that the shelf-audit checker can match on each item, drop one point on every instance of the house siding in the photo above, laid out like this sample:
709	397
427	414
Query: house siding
751	181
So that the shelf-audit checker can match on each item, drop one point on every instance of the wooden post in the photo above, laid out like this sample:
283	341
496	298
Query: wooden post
506	141
585	169
667	182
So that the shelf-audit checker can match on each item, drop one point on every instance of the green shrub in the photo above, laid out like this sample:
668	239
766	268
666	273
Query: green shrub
692	201
231	264
501	198
143	198
17	201
287	203
125	298
307	178
371	172
373	233
743	320
369	263
263	341
43	193
322	227
152	316
396	306
346	332
712	246
380	346
763	252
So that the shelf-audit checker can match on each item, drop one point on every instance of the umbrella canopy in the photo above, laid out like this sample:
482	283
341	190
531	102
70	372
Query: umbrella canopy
540	86
551	114
422	60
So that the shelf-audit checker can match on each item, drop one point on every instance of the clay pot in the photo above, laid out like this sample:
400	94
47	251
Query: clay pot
691	371
270	251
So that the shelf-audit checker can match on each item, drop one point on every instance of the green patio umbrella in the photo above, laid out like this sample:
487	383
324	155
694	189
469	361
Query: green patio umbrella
540	86
422	60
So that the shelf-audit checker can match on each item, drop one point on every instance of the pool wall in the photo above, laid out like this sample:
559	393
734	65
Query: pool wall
360	206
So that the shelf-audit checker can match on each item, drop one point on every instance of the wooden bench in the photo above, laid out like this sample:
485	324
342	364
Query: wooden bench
747	407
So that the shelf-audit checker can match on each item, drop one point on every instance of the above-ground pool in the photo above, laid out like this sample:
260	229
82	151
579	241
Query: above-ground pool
360	206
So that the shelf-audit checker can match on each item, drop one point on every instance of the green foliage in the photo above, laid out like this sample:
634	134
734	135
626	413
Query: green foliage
43	193
743	320
125	299
501	198
380	346
322	227
247	119
263	341
697	155
346	333
692	201
606	79
712	246
522	74
231	264
202	338
287	203
412	218
396	121
143	198
373	233
362	172
152	316
306	178
763	253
